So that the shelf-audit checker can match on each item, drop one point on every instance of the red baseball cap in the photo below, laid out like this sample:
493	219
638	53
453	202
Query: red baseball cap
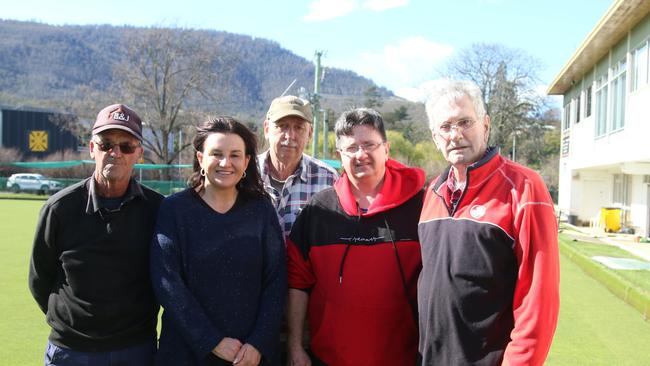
120	117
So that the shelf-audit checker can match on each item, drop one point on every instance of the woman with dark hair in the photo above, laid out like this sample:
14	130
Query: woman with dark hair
218	259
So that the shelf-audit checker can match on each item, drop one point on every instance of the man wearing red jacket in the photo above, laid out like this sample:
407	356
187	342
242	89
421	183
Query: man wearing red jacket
488	291
354	256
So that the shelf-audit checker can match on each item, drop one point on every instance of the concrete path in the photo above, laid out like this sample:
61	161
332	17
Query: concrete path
624	241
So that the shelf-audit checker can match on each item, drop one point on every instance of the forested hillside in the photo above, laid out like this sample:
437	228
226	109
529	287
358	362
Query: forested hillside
48	65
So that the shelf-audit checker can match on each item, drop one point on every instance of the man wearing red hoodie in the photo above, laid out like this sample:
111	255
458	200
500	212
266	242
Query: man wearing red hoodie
354	256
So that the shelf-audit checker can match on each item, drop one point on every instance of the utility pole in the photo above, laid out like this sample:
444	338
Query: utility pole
325	133
316	103
180	152
514	146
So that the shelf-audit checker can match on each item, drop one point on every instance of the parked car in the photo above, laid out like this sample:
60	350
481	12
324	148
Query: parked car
27	182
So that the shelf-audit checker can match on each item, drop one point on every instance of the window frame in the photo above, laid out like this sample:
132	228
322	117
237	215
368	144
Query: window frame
636	81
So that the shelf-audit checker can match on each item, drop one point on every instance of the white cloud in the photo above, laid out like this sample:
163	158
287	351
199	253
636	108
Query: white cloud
411	93
400	66
381	5
320	10
419	93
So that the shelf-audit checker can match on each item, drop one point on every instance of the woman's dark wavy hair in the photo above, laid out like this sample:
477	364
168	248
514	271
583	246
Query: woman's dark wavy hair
251	186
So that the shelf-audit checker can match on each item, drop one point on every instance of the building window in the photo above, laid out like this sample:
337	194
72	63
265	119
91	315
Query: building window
577	101
641	66
566	121
601	106
618	95
588	102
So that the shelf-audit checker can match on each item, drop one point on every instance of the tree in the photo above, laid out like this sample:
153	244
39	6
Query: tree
162	72
9	155
391	119
542	142
399	119
543	154
429	158
372	97
483	63
331	146
507	78
82	110
400	148
423	154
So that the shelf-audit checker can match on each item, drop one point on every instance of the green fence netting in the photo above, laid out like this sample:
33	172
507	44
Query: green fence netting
333	163
73	163
164	187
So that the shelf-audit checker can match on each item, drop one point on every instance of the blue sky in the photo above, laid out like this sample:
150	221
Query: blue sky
400	44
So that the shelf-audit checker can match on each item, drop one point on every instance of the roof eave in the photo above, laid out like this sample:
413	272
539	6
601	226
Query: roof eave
622	16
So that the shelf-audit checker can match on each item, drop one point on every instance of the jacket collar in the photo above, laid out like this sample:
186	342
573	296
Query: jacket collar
93	204
400	184
473	170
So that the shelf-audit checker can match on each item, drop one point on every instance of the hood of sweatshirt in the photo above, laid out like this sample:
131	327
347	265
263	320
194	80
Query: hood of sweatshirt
401	182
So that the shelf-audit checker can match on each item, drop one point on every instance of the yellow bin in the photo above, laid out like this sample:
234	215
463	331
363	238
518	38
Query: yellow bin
610	219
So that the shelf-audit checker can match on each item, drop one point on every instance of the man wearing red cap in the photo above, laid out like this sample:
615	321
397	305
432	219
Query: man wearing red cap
89	271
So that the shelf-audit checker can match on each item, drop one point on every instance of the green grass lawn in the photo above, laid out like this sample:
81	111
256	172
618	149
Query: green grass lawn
595	327
31	196
22	325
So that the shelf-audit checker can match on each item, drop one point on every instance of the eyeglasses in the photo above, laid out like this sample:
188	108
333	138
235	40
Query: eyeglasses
352	150
460	126
125	147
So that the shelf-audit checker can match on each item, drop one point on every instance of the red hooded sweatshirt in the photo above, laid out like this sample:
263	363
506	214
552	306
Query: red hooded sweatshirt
361	270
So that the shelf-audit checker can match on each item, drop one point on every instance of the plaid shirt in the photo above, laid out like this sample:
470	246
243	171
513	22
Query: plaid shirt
311	176
453	191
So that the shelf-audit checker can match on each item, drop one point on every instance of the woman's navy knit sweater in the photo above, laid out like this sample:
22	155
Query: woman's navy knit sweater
217	275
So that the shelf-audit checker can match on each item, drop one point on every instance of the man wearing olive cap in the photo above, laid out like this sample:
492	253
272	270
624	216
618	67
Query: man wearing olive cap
89	270
290	176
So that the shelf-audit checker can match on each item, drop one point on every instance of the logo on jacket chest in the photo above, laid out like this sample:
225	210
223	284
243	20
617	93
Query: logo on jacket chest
477	211
358	240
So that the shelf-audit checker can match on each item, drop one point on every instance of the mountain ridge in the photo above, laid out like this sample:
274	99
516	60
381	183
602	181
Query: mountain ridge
52	64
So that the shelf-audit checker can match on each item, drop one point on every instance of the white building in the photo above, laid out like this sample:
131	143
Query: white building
605	153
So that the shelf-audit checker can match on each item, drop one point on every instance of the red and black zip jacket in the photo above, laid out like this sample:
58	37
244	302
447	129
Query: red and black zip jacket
488	291
361	270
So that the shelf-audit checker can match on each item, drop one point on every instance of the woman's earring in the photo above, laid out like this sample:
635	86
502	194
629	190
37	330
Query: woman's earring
202	172
243	175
